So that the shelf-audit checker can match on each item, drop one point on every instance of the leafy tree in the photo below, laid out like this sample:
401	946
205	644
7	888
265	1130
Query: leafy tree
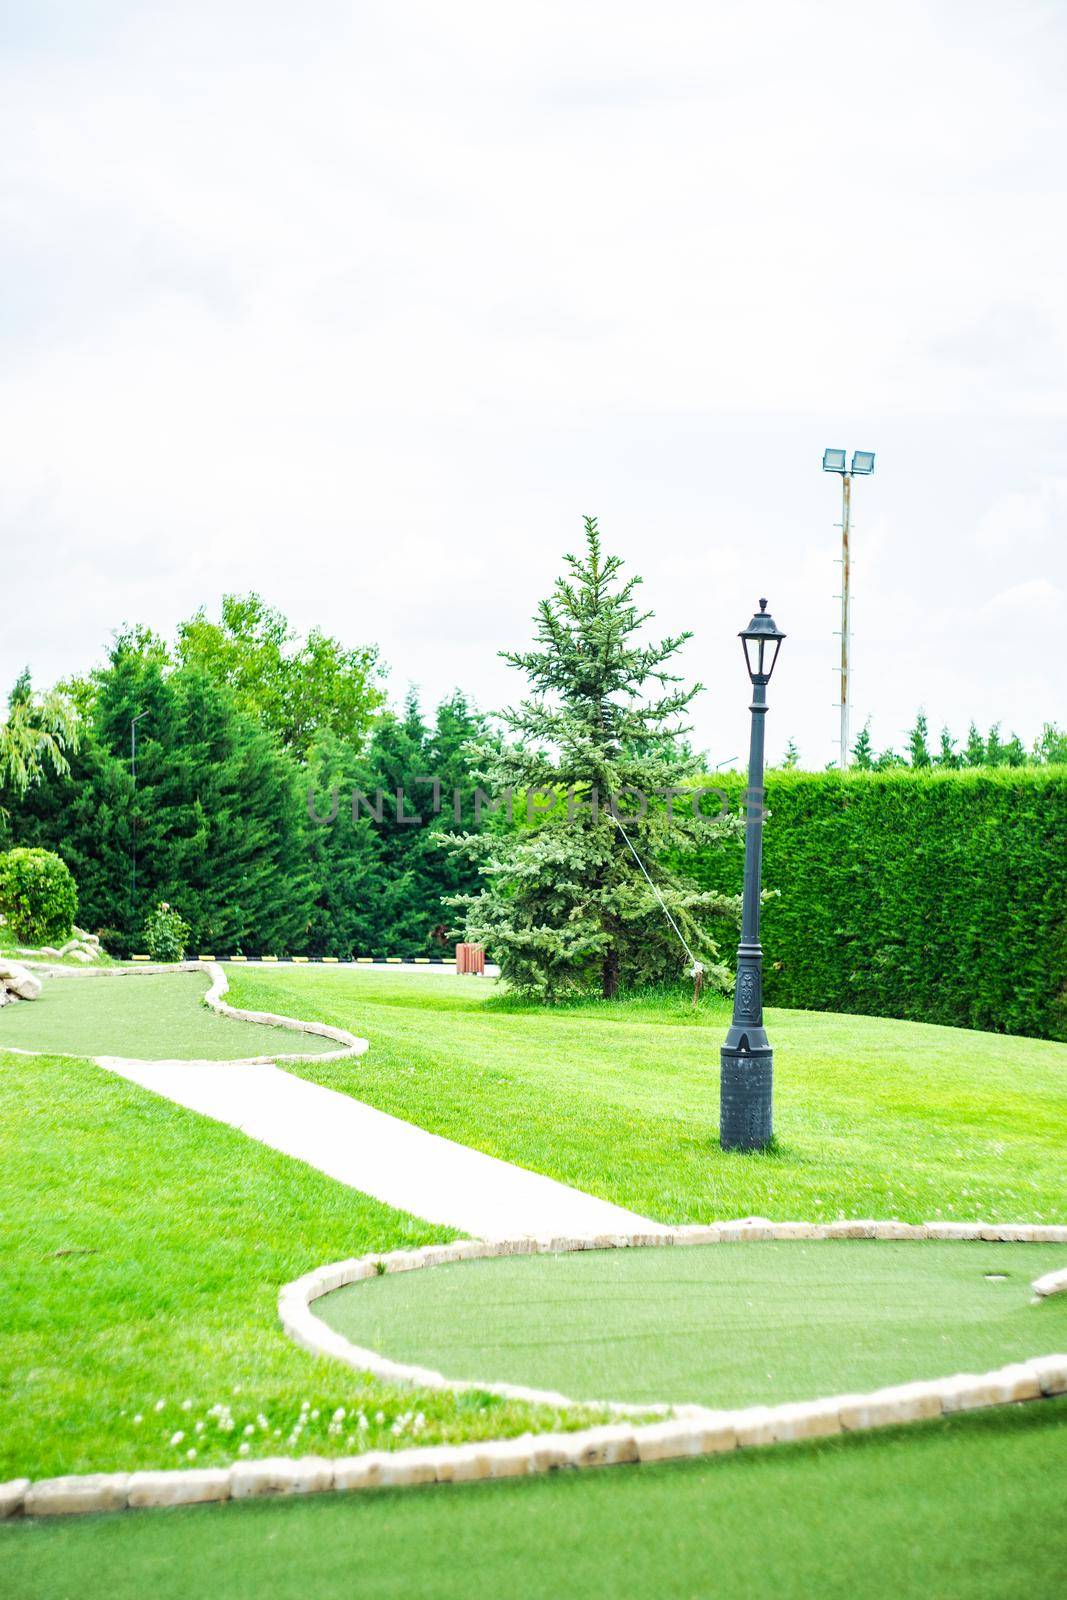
215	818
863	749
565	905
38	735
917	747
294	689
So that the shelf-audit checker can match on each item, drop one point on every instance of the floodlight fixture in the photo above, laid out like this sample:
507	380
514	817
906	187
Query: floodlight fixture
834	460
863	461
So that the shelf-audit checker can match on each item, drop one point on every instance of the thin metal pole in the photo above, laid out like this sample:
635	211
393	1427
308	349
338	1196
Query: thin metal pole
846	510
133	818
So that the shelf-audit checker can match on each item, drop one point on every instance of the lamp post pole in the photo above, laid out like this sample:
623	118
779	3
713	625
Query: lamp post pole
746	1116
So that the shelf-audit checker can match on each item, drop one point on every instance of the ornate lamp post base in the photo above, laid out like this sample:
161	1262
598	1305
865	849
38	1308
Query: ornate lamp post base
746	1081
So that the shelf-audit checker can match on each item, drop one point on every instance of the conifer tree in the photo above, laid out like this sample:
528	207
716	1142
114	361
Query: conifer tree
863	749
566	906
917	746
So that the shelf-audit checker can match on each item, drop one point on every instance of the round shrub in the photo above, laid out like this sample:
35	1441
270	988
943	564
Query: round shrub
165	933
37	896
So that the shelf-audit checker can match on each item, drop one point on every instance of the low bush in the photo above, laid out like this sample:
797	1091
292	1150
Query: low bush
38	896
165	933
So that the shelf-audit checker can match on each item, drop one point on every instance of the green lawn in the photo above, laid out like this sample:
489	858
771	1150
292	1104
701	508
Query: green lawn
149	1016
874	1117
721	1325
144	1247
971	1509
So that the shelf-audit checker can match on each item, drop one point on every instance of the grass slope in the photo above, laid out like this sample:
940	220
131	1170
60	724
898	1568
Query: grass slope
874	1117
143	1252
148	1016
970	1508
722	1325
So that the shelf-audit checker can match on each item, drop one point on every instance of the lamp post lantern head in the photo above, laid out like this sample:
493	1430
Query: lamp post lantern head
862	462
834	460
761	642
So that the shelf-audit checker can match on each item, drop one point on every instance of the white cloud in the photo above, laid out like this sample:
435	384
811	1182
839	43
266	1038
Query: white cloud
366	309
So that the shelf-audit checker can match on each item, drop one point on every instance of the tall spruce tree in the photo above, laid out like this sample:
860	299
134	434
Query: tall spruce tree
566	906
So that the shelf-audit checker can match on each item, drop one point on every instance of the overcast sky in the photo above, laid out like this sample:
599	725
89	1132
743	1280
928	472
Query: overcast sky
363	306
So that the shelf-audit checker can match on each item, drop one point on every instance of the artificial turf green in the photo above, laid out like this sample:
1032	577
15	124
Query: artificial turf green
144	1247
968	1509
873	1117
146	1015
718	1325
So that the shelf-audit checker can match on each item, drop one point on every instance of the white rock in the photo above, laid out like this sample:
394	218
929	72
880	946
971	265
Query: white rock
185	1488
1050	1283
359	1472
1051	1373
604	1447
901	1402
401	1468
280	1475
805	1419
95	1491
12	1495
668	1441
20	980
967	1391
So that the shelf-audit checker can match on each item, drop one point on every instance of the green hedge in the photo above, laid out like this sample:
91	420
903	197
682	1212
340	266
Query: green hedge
38	897
940	896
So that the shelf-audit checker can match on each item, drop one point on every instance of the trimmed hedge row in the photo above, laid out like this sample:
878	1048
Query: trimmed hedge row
940	896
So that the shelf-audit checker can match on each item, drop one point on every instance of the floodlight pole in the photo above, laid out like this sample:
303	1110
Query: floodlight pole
133	819
846	511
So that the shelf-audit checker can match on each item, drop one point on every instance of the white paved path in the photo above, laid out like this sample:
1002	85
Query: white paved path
404	1166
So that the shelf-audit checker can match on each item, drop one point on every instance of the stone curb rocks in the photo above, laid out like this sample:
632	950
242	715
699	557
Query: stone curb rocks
679	1432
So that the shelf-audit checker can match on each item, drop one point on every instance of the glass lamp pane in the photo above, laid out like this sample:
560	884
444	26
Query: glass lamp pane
833	460
863	461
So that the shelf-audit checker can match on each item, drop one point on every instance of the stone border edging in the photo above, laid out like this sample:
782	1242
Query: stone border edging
687	1432
351	1044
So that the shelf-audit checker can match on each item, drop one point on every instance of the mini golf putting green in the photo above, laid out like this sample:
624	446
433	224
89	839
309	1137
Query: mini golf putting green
146	1016
719	1325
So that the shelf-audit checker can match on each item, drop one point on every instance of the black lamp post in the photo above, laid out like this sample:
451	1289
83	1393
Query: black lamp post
745	1085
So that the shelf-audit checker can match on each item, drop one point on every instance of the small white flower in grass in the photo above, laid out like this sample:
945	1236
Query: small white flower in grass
277	1433
379	1417
236	1389
190	1455
187	1405
315	1415
249	1429
138	1419
306	1406
159	1405
242	1449
362	1423
176	1438
262	1422
200	1427
339	1414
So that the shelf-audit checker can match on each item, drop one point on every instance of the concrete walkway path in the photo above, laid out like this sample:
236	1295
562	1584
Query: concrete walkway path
404	1166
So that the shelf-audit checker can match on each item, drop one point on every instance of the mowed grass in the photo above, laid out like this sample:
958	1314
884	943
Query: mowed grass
148	1016
143	1252
718	1325
969	1508
873	1117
